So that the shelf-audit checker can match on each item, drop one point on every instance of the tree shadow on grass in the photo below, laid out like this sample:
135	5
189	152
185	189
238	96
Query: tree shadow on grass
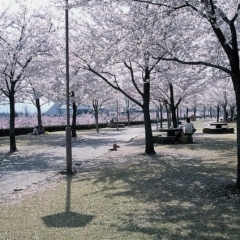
175	196
225	148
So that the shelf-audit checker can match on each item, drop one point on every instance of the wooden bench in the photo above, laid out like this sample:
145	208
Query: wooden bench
115	125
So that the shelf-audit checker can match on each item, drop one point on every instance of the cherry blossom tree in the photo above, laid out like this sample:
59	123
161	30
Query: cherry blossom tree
57	89
221	97
23	38
128	106
213	20
112	51
172	89
35	91
97	97
124	40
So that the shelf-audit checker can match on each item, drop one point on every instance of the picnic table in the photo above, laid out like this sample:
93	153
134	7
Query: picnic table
170	131
218	124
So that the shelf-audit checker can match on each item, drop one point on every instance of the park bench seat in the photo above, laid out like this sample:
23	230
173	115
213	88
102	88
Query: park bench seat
115	125
218	130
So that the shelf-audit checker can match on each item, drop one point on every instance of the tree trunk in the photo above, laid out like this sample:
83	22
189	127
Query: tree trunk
74	118
128	117
187	113
96	121
172	106
13	146
95	113
174	117
149	145
161	115
204	112
218	111
236	84
225	112
177	115
157	118
39	114
117	115
168	116
232	111
128	111
238	140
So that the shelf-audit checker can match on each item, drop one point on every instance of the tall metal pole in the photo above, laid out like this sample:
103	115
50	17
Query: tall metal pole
68	128
117	114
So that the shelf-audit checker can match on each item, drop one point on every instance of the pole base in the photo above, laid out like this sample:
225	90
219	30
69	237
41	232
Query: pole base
65	172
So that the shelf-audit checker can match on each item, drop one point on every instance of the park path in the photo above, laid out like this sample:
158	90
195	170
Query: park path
34	164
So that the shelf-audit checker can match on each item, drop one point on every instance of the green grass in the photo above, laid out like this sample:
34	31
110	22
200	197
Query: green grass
182	192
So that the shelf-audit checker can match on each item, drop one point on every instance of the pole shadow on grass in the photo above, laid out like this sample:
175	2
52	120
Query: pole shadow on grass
68	218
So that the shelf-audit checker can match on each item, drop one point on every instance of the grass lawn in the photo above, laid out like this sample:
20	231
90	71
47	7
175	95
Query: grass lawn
185	191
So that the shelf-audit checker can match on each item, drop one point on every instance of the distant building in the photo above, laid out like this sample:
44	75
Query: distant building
54	110
60	109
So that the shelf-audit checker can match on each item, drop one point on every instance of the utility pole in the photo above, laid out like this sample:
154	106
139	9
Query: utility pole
68	128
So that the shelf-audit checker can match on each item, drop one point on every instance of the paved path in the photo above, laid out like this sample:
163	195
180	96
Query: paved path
22	169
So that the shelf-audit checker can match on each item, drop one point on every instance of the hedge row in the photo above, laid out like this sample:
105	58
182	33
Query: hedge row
27	130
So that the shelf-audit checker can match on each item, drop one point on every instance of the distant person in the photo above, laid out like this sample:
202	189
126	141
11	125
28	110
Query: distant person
41	130
189	131
35	131
180	125
179	133
189	128
112	121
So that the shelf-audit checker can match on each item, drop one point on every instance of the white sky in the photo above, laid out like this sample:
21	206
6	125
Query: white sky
30	2
20	107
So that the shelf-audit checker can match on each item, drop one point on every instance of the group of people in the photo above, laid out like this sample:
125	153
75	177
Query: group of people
38	130
189	130
189	127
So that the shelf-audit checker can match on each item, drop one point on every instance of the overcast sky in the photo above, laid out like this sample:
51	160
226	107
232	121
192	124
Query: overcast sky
20	107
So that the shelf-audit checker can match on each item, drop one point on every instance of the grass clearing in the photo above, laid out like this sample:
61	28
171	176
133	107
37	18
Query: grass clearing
185	191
